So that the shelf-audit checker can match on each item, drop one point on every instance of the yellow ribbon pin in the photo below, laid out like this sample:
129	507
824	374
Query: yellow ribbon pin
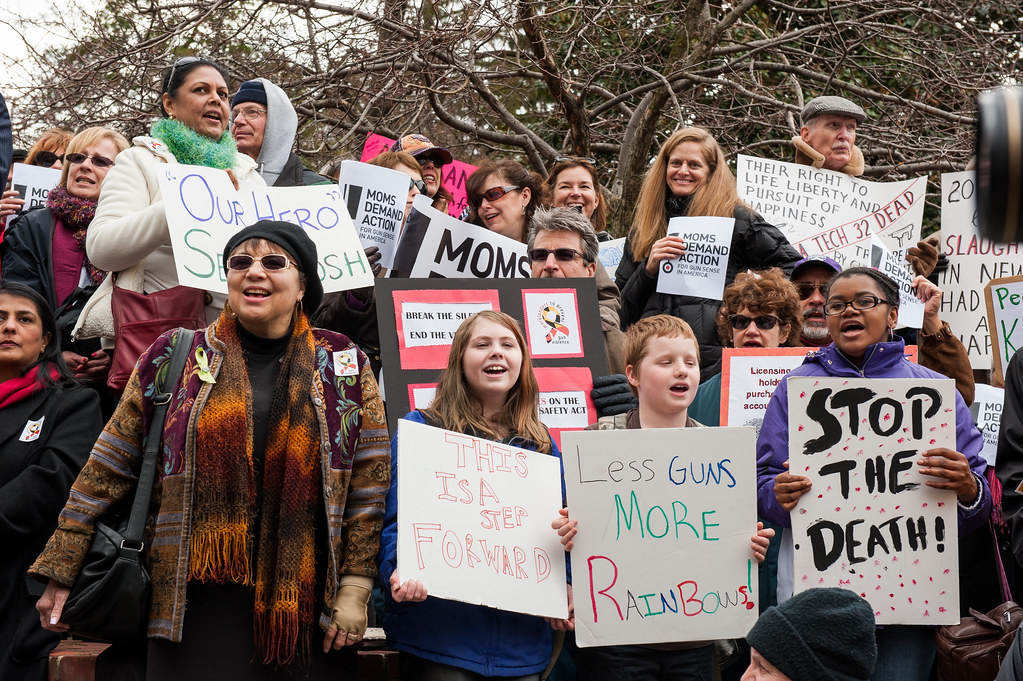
204	366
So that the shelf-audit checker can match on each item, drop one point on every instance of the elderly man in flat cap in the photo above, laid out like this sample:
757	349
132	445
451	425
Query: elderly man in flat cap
828	136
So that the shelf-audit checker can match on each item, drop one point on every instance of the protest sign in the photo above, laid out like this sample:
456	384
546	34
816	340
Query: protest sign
1004	299
436	245
376	199
700	271
665	519
869	523
987	414
454	173
973	261
418	318
830	213
33	184
474	521
204	210
911	308
611	254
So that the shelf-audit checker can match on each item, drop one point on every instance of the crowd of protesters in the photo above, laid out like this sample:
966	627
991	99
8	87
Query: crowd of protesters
276	506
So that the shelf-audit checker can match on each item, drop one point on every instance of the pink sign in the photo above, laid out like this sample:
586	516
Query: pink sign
455	173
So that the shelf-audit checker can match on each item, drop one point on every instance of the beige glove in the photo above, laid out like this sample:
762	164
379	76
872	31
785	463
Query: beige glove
350	614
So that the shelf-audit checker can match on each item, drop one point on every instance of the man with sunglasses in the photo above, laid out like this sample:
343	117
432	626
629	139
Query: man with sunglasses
264	124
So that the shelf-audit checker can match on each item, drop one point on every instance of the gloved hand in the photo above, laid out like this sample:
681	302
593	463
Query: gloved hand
373	256
350	617
611	395
923	257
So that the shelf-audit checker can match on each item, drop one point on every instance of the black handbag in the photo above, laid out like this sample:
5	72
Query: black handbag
110	598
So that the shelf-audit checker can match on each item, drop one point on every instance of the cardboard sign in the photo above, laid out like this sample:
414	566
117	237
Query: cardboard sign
611	254
418	318
474	521
454	173
376	199
436	245
911	308
33	184
869	524
701	270
973	261
987	415
665	520
830	213
1004	299
204	210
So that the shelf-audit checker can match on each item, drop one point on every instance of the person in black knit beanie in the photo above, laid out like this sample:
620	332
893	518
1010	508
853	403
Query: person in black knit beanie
817	635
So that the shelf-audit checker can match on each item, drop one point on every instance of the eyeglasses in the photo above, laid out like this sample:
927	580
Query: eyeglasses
432	161
764	322
494	193
46	159
271	262
560	254
253	114
837	307
97	161
575	159
805	289
418	184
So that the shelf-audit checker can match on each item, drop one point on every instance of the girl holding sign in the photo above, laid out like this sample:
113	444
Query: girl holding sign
690	178
488	390
862	310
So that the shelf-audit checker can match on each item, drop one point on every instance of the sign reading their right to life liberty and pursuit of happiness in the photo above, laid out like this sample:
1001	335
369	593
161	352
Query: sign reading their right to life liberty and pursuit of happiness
474	521
665	519
869	523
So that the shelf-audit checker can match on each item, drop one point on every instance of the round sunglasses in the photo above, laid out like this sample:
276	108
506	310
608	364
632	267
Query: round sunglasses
271	262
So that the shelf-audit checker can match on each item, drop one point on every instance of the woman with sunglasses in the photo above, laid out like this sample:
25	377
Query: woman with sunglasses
690	177
572	183
129	235
46	152
862	309
430	160
275	454
503	195
45	248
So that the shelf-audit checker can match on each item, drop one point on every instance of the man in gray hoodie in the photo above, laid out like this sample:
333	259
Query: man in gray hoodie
264	124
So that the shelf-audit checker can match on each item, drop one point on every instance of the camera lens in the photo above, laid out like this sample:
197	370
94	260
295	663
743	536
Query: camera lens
1000	163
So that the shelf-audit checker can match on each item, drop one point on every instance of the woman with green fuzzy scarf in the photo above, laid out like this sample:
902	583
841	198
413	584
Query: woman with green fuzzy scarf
129	235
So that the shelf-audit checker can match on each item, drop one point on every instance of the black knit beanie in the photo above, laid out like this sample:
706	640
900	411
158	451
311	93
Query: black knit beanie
250	91
297	243
818	635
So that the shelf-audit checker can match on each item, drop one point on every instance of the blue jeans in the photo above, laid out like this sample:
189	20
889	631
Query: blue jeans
635	663
904	653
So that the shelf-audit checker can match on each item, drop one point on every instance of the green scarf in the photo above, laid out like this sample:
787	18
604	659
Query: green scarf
191	148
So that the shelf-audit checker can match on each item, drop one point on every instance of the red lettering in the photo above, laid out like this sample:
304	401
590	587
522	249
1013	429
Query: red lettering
420	539
692	599
603	592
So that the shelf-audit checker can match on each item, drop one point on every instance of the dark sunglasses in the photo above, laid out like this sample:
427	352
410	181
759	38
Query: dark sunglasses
575	159
560	254
494	193
764	322
805	289
97	161
272	262
418	184
46	159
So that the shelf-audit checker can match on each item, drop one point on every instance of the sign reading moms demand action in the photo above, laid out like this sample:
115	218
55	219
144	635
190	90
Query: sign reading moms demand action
375	198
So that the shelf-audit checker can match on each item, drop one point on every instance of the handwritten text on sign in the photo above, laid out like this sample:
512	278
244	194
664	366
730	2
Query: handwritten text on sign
1004	299
474	521
869	524
663	550
204	210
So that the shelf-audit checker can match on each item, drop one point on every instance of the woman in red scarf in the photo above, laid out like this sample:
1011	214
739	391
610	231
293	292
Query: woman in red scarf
47	427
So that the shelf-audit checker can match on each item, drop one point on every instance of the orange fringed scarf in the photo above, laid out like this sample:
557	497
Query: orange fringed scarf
224	512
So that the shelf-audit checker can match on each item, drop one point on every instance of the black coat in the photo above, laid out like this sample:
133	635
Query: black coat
1009	464
294	174
35	478
27	251
755	245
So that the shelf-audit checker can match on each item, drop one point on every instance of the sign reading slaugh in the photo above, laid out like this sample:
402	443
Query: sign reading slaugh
204	210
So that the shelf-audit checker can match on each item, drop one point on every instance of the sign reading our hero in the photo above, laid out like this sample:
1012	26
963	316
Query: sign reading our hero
376	199
1005	313
204	210
665	519
700	271
474	521
869	523
830	213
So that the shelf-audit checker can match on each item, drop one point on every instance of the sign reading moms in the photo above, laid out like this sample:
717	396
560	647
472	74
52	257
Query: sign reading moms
33	184
869	524
665	519
700	271
204	209
376	199
474	521
821	211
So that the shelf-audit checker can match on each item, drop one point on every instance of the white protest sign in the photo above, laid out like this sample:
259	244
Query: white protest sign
204	210
700	271
1004	298
474	521
830	213
665	520
33	184
869	524
987	414
911	308
611	254
748	379
375	198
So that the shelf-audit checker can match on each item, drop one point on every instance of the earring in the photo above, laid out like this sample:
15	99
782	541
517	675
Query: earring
228	312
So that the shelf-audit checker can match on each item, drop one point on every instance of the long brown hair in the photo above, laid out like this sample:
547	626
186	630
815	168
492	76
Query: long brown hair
716	197
599	217
457	408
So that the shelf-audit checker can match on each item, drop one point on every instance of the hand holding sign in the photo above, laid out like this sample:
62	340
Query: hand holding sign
953	471
788	488
665	248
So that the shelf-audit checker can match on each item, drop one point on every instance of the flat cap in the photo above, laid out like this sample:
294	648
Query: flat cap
830	104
